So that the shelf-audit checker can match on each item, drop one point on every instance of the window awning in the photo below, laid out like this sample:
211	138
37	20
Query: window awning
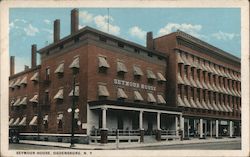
219	89
34	99
34	77
24	80
219	72
75	63
224	89
16	122
160	99
11	121
59	94
228	91
224	107
221	107
192	103
121	67
198	83
24	101
151	98
76	91
17	102
23	122
46	117
137	71
11	85
180	80
186	61
207	105
204	67
198	103
150	74
186	81
193	82
59	116
198	66
229	108
180	102
17	83
60	68
160	77
103	91
179	58
137	96
33	122
215	88
103	62
216	108
234	93
209	86
186	102
121	94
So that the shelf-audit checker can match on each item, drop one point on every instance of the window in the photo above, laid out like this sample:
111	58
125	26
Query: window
45	121
179	69
185	71
179	90
47	73
192	92
186	91
204	94
46	97
103	64
59	121
198	94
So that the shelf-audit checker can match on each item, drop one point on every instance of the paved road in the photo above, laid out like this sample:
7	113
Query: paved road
201	146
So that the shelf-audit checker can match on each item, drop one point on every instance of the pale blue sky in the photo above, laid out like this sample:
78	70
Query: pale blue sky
219	27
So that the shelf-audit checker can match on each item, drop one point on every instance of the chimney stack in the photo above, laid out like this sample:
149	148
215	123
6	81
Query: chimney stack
12	65
26	67
56	30
74	20
33	56
150	41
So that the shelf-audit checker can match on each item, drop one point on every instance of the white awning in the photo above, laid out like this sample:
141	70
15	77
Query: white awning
59	94
180	101
103	62
198	83
121	67
11	121
137	96
34	77
216	108
23	122
160	77
160	99
16	122
17	83
198	66
198	103
24	101
186	81
179	59
75	63
137	71
192	103
151	98
221	107
11	85
150	74
209	86
180	80
76	91
34	99
229	108
103	91
224	107
60	68
121	93
46	117
59	117
186	61
204	85
193	82
215	88
224	89
206	105
186	102
24	80
33	122
17	102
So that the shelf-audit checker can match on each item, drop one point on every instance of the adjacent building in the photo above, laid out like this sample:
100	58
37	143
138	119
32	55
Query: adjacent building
99	86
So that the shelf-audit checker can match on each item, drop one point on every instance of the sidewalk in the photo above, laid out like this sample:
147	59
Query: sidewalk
127	145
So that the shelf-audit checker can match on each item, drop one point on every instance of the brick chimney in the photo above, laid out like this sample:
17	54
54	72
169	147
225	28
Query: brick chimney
26	67
56	30
12	65
150	41
33	56
74	20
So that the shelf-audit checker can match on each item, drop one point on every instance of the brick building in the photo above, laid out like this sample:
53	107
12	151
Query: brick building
144	92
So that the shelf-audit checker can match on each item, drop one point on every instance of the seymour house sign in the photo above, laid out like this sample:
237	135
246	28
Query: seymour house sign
134	84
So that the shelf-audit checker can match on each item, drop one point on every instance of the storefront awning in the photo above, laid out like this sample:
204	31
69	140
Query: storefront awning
137	96
160	99
24	101
34	77
121	67
16	122
151	98
103	91
75	63
180	102
150	74
11	121
121	93
33	122
34	99
76	91
60	68
23	122
59	94
137	71
103	62
160	77
186	102
24	80
17	102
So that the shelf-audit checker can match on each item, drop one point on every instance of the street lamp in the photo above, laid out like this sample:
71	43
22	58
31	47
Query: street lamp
75	71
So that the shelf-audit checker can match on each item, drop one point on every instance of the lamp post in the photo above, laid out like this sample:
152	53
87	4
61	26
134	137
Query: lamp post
75	70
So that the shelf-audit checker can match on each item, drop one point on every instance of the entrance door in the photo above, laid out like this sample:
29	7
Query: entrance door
150	127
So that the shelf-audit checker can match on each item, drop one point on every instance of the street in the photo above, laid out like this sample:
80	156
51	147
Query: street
201	146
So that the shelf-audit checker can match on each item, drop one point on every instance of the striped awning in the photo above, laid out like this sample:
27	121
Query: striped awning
160	99
76	91
137	96
59	94
103	62
151	98
60	68
75	63
33	122
121	93
121	67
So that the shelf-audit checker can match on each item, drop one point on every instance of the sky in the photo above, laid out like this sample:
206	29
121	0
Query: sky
219	27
